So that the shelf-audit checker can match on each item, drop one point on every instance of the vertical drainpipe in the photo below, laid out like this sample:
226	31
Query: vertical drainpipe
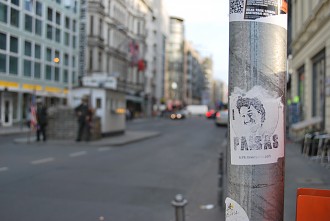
257	94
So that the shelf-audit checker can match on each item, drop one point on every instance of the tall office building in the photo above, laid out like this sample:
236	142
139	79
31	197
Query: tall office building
38	54
193	75
174	80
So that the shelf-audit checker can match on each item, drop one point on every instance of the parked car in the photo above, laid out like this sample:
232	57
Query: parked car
221	118
210	114
178	115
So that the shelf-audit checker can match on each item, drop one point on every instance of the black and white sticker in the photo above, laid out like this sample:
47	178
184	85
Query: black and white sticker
256	127
267	11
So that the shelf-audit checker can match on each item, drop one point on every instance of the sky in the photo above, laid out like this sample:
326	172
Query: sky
207	28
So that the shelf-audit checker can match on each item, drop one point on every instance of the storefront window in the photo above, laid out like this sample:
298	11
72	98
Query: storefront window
319	85
301	90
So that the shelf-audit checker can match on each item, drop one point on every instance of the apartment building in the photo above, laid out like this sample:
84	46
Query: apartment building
38	54
310	82
193	75
207	98
126	41
161	33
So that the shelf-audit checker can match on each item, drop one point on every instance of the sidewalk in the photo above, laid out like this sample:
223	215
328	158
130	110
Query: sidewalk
13	130
301	172
119	140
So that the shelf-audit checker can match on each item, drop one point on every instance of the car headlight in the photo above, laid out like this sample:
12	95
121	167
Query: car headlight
172	116
179	116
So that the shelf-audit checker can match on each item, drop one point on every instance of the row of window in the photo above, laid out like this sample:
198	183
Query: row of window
33	69
55	16
55	34
36	6
33	50
35	25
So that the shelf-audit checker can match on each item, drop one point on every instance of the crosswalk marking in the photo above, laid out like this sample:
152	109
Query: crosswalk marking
101	149
77	154
44	160
3	169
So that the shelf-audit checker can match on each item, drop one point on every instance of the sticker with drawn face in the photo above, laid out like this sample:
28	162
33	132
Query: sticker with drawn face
256	127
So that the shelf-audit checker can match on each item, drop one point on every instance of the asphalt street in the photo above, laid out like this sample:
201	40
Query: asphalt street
138	181
78	181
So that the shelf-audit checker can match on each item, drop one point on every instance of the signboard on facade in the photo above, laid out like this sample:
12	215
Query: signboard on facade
100	81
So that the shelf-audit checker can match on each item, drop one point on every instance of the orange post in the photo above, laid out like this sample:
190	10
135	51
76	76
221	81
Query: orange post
313	204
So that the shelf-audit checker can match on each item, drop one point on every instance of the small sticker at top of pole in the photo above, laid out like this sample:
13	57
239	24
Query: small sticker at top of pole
266	11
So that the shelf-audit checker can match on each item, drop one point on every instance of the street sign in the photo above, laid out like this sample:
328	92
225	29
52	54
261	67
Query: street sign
100	81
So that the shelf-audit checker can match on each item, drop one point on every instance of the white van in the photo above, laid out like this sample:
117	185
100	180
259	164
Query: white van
197	109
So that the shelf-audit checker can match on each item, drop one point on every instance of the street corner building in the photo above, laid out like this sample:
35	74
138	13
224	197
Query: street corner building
38	55
309	63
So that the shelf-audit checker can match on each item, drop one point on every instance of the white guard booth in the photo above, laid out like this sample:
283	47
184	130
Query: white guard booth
109	104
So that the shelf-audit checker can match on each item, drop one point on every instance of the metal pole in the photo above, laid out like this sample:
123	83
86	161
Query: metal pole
220	181
257	90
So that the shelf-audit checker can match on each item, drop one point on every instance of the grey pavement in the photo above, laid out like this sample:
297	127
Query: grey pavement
118	140
13	130
301	172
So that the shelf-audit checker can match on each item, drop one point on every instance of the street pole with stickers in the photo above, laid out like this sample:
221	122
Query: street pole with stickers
257	94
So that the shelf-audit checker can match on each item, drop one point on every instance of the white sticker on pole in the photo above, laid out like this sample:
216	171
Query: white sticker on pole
256	127
267	11
234	212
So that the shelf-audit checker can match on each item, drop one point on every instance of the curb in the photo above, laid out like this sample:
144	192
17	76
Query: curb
129	137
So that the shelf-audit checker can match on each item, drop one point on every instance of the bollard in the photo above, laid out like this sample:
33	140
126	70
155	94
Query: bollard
220	181
220	164
179	203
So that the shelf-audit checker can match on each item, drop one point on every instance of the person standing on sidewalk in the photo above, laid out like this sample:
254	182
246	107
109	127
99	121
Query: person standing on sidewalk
84	114
41	120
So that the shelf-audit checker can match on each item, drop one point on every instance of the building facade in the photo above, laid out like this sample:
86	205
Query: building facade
174	79
208	82
38	54
219	94
193	75
310	80
126	40
161	33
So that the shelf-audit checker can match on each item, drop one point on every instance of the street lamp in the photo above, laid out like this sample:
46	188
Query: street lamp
174	85
56	60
